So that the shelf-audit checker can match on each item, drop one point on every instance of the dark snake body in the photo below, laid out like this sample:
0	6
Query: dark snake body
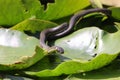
65	29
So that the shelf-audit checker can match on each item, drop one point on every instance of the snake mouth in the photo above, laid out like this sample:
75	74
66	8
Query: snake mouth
65	29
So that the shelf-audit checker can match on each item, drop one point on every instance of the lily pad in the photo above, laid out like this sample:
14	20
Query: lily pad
33	25
115	12
111	72
18	50
15	11
84	50
62	8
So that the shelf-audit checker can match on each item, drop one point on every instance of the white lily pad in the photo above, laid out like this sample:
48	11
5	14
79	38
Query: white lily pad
18	50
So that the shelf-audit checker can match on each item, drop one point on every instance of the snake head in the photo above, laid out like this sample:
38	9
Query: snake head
59	49
53	49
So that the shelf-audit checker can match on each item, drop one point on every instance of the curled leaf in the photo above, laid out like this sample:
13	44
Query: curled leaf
63	8
17	50
85	50
15	11
33	25
111	72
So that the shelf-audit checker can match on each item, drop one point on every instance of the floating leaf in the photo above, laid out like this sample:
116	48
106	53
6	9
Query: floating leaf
17	50
111	72
85	50
15	11
115	12
62	8
33	25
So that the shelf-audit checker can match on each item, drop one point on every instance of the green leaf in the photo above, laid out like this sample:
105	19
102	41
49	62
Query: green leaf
62	8
17	50
33	25
85	50
111	72
14	11
115	12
